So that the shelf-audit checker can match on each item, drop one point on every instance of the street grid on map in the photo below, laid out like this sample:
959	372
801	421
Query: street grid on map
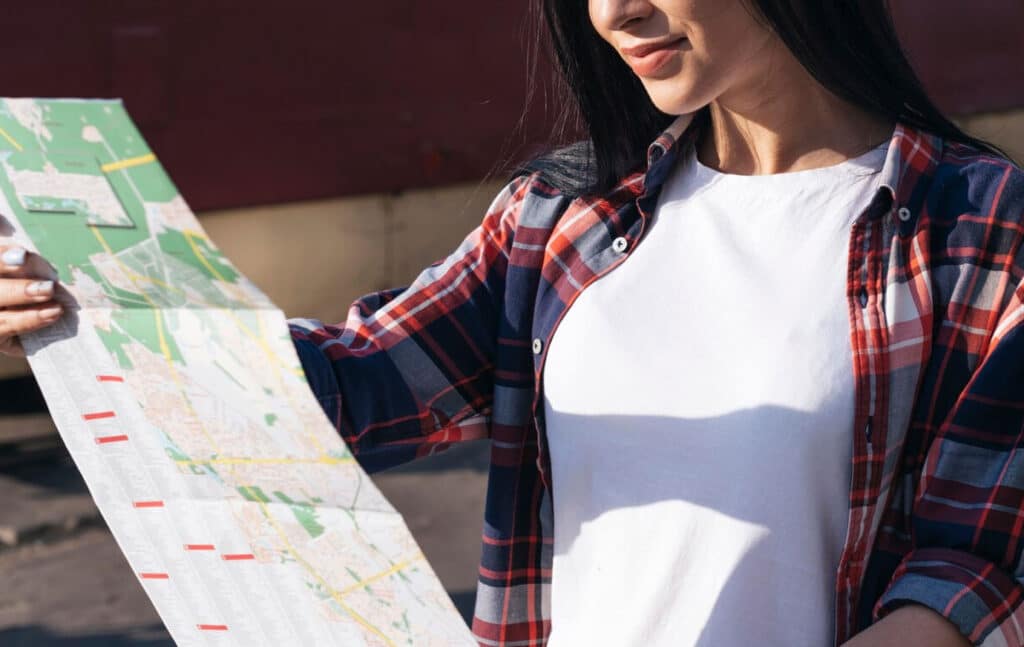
175	386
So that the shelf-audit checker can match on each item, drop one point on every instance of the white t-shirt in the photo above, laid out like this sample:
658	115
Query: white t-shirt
699	402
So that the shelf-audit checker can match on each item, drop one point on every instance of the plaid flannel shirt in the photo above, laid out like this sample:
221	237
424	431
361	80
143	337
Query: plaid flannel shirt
935	295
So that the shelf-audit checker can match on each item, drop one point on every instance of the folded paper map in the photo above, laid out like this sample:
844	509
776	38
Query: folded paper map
174	384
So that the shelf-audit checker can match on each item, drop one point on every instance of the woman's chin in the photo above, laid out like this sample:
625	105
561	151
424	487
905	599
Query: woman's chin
675	105
674	96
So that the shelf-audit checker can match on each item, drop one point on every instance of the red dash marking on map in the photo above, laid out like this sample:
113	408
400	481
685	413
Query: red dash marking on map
154	576
237	556
110	378
98	415
212	627
103	440
198	546
148	504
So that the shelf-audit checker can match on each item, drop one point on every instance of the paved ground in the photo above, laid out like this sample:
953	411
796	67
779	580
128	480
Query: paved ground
63	580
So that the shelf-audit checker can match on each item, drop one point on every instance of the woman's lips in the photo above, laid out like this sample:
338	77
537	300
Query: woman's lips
647	59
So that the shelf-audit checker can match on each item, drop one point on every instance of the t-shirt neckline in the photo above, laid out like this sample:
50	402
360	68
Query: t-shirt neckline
865	164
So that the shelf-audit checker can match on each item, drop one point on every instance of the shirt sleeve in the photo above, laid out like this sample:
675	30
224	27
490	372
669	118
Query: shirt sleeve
968	512
410	370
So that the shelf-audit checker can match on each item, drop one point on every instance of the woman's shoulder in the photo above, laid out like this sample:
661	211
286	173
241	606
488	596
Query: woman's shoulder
975	218
970	181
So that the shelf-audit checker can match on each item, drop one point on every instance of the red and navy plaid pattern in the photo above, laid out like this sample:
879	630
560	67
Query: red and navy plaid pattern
936	304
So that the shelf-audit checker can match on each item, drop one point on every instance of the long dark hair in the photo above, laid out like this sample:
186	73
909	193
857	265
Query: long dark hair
850	47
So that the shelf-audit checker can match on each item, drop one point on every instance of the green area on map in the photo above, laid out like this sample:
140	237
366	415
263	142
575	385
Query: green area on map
209	362
94	144
95	202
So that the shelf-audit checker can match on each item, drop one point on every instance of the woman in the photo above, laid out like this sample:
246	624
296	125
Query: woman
790	416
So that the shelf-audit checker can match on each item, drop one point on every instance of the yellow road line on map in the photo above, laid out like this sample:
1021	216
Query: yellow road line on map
10	140
161	337
150	279
334	593
379	576
128	163
284	387
164	348
260	339
190	236
297	370
284	460
135	277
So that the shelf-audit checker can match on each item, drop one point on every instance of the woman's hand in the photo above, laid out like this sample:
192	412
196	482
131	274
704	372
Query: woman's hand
27	284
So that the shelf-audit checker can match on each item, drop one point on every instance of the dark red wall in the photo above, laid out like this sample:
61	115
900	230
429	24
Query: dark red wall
257	102
969	53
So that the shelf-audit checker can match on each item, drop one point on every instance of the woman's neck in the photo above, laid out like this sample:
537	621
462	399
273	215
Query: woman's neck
788	122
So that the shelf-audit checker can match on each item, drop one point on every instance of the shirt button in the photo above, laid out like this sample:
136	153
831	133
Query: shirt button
904	214
538	346
620	244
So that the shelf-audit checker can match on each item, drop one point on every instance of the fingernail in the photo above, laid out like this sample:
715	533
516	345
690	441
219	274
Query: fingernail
39	288
50	313
14	257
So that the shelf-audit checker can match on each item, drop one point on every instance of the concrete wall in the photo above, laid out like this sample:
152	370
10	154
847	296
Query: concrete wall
330	252
314	258
1004	129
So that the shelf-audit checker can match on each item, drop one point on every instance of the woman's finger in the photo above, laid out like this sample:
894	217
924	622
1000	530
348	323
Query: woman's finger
16	261
22	319
17	292
13	256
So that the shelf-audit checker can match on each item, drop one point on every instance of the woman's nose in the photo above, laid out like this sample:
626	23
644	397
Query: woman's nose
615	15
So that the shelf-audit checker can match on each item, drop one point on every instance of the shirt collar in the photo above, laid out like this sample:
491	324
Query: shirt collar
661	156
913	155
666	141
